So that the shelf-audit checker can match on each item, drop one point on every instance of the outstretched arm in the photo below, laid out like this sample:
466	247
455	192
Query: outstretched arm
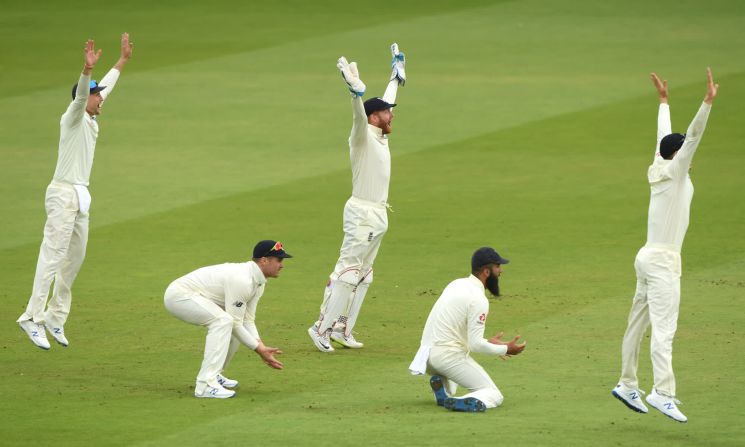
351	76
76	110
664	127
113	75
126	52
682	161
398	74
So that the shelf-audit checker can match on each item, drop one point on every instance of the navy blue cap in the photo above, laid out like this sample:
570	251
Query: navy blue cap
375	104
484	256
267	248
95	88
670	144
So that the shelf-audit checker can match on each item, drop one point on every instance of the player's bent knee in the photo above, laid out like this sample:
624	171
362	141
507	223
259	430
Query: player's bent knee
495	399
223	321
350	276
368	278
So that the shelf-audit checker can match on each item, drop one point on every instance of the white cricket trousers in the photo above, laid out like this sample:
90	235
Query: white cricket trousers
60	256
189	306
365	223
656	302
456	367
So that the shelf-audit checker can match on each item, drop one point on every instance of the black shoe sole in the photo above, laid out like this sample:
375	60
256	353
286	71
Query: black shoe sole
467	405
623	401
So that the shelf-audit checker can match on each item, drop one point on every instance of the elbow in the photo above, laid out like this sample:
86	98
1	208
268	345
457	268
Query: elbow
475	346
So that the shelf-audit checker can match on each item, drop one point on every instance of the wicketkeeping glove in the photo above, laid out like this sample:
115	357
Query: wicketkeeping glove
351	76
398	65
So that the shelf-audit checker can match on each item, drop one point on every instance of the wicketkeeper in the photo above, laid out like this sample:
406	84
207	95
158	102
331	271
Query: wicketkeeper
365	213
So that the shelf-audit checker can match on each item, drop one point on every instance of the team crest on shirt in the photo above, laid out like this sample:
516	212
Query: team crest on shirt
238	304
482	318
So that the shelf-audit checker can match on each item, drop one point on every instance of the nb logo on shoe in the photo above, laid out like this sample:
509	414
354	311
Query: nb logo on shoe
669	406
634	396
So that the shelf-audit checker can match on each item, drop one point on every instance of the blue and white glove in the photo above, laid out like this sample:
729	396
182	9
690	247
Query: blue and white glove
398	65
351	76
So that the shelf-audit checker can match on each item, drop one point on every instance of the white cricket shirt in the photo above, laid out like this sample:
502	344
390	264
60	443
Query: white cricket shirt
670	185
235	287
370	157
458	319
78	133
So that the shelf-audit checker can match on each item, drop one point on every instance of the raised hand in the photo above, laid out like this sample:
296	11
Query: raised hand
711	87
267	355
127	47
661	87
91	55
351	76
398	65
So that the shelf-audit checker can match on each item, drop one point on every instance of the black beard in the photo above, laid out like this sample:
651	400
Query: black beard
492	284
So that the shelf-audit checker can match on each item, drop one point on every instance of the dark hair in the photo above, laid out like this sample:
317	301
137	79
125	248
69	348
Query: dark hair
475	271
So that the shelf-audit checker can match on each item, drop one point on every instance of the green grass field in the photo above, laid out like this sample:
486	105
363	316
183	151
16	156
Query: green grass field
526	125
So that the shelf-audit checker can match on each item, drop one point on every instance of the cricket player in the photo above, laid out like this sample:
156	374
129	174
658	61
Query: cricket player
224	298
657	264
454	329
68	201
365	214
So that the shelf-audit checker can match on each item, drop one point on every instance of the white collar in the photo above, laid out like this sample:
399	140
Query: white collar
476	282
256	274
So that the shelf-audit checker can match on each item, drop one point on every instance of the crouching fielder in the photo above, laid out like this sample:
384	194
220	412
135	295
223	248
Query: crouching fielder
365	214
224	298
454	328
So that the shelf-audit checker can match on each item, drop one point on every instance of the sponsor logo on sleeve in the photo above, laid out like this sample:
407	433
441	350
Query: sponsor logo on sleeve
238	304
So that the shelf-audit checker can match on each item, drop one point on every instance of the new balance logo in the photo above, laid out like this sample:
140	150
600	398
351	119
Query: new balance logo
238	304
57	330
670	406
34	333
213	391
634	395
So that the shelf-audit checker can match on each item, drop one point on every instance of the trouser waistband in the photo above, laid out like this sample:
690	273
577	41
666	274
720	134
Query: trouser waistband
669	247
359	201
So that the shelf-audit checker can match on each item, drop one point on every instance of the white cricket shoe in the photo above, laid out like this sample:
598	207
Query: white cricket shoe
215	392
630	397
321	341
58	333
36	333
347	341
225	382
667	405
